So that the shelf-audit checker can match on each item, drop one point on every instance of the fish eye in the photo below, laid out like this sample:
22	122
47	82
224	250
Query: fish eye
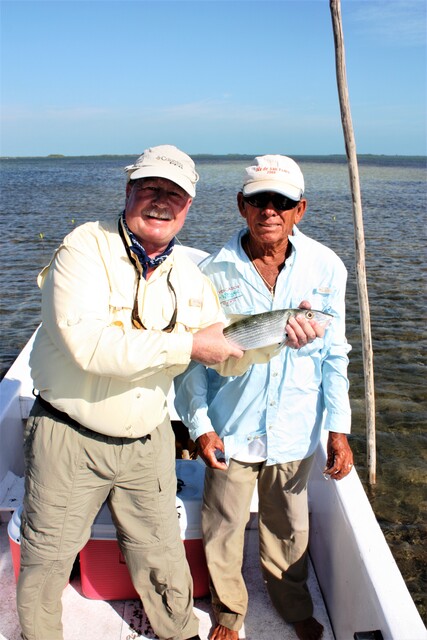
309	315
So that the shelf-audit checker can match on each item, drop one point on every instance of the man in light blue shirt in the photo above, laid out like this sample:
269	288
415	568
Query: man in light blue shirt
266	424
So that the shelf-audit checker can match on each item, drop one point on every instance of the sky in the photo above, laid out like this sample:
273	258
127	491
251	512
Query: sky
210	76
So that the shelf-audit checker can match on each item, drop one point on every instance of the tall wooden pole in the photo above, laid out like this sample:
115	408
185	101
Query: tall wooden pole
362	290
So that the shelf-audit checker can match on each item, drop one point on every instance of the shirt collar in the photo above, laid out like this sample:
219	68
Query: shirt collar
138	255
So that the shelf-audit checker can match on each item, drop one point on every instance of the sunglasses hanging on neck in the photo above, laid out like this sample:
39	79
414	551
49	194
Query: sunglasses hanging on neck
136	320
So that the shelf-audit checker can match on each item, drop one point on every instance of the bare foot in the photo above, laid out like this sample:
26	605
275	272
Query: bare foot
308	629
224	633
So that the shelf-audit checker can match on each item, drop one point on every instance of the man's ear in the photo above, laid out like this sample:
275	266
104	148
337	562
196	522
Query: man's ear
128	190
301	209
241	204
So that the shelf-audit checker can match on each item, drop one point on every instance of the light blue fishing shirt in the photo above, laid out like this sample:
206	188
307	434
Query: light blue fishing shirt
287	401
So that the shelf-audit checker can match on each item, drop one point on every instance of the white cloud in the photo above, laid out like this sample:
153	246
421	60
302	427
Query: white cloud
389	21
63	114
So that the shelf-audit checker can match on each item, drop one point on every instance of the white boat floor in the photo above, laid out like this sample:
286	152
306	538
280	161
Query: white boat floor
85	619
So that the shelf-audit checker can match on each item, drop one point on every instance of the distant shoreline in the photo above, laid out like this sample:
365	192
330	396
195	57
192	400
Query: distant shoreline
336	157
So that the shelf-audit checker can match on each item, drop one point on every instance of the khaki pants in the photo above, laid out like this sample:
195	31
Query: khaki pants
70	472
283	537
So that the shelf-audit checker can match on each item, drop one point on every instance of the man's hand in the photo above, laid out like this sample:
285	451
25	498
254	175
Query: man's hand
211	347
340	456
301	331
207	445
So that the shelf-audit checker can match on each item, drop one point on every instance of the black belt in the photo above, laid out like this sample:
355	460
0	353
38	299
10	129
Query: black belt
64	417
61	415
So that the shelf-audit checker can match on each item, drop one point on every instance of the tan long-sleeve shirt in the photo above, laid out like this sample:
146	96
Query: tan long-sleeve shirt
88	360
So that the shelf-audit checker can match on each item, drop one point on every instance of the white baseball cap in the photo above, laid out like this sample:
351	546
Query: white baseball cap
165	161
274	173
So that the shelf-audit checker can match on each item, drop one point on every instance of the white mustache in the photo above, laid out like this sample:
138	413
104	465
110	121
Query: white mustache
163	214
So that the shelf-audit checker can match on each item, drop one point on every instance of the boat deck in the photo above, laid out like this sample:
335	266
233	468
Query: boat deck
126	620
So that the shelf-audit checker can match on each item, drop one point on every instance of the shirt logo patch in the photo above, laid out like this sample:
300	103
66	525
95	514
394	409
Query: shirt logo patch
229	295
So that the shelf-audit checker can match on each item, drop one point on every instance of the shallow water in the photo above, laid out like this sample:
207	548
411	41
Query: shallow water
44	198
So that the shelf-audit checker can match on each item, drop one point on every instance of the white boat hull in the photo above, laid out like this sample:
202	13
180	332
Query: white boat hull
362	587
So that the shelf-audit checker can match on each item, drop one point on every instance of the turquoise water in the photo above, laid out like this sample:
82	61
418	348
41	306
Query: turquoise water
44	198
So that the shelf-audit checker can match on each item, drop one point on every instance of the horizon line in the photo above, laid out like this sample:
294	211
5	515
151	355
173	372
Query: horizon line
210	155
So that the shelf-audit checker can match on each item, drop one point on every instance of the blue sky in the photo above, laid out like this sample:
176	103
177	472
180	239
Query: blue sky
211	76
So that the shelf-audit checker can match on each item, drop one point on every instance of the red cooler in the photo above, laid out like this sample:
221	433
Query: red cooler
104	574
14	532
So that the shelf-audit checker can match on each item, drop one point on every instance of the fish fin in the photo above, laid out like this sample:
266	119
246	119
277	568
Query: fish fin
281	344
232	319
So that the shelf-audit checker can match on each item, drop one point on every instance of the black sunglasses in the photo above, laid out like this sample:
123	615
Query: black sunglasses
136	320
279	202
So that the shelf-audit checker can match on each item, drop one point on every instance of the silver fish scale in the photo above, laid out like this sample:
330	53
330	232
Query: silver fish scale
265	329
259	330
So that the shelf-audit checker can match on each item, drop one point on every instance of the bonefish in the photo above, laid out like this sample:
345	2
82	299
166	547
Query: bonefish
268	328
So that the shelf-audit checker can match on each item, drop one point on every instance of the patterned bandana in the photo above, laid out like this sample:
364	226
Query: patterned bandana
136	247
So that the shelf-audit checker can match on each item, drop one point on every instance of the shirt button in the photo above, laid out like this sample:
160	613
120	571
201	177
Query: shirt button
129	427
138	395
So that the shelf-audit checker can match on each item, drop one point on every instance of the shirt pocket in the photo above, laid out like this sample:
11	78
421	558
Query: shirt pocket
323	297
120	307
190	314
319	297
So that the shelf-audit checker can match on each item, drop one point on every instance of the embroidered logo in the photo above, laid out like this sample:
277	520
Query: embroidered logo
229	296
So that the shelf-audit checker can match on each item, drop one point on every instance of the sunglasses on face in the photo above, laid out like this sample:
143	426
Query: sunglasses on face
279	202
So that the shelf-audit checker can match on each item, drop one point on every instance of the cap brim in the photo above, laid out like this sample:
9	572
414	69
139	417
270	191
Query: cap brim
288	190
169	174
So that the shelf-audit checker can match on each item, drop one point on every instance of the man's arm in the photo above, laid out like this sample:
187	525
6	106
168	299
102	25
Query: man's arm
210	346
191	404
76	314
335	387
